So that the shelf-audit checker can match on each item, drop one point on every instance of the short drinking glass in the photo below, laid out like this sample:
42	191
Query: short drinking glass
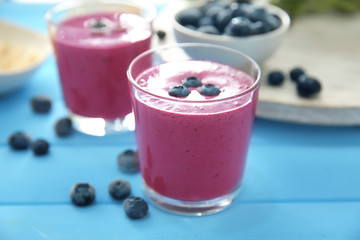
194	107
94	43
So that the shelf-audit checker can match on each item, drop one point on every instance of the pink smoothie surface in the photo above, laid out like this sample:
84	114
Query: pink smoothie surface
193	149
92	66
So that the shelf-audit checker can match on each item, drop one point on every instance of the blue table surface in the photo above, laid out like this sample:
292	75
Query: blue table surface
301	181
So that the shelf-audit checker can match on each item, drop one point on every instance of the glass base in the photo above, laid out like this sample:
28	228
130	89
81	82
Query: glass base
102	127
195	208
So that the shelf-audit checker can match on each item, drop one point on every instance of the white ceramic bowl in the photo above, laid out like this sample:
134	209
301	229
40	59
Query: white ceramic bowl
28	44
259	47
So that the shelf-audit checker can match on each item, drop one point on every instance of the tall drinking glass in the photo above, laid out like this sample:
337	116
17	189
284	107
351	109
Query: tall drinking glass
94	43
194	106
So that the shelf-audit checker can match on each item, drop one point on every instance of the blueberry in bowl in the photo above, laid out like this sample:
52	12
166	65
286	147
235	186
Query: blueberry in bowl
254	29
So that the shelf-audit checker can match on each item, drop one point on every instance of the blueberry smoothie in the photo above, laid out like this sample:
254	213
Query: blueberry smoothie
192	146
93	52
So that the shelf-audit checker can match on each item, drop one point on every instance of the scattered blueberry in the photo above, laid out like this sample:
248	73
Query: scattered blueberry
179	91
161	34
19	141
275	78
40	147
128	161
135	207
82	194
41	104
307	86
119	189
191	82
189	16
63	127
295	73
209	90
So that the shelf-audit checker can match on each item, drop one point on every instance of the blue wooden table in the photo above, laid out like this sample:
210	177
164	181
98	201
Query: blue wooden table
301	182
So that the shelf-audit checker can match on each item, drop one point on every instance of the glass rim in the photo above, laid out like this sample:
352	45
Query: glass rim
252	88
69	4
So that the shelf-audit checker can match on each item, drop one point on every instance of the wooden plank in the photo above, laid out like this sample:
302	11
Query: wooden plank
274	172
253	221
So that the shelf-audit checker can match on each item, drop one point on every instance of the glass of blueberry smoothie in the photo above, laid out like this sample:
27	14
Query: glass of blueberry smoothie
94	43
194	107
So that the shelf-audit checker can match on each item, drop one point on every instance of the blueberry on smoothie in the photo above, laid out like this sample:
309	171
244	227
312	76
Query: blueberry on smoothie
97	24
82	194
275	78
191	82
41	104
307	86
119	189
63	127
135	207
128	161
295	73
19	141
179	91
209	90
40	147
101	26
